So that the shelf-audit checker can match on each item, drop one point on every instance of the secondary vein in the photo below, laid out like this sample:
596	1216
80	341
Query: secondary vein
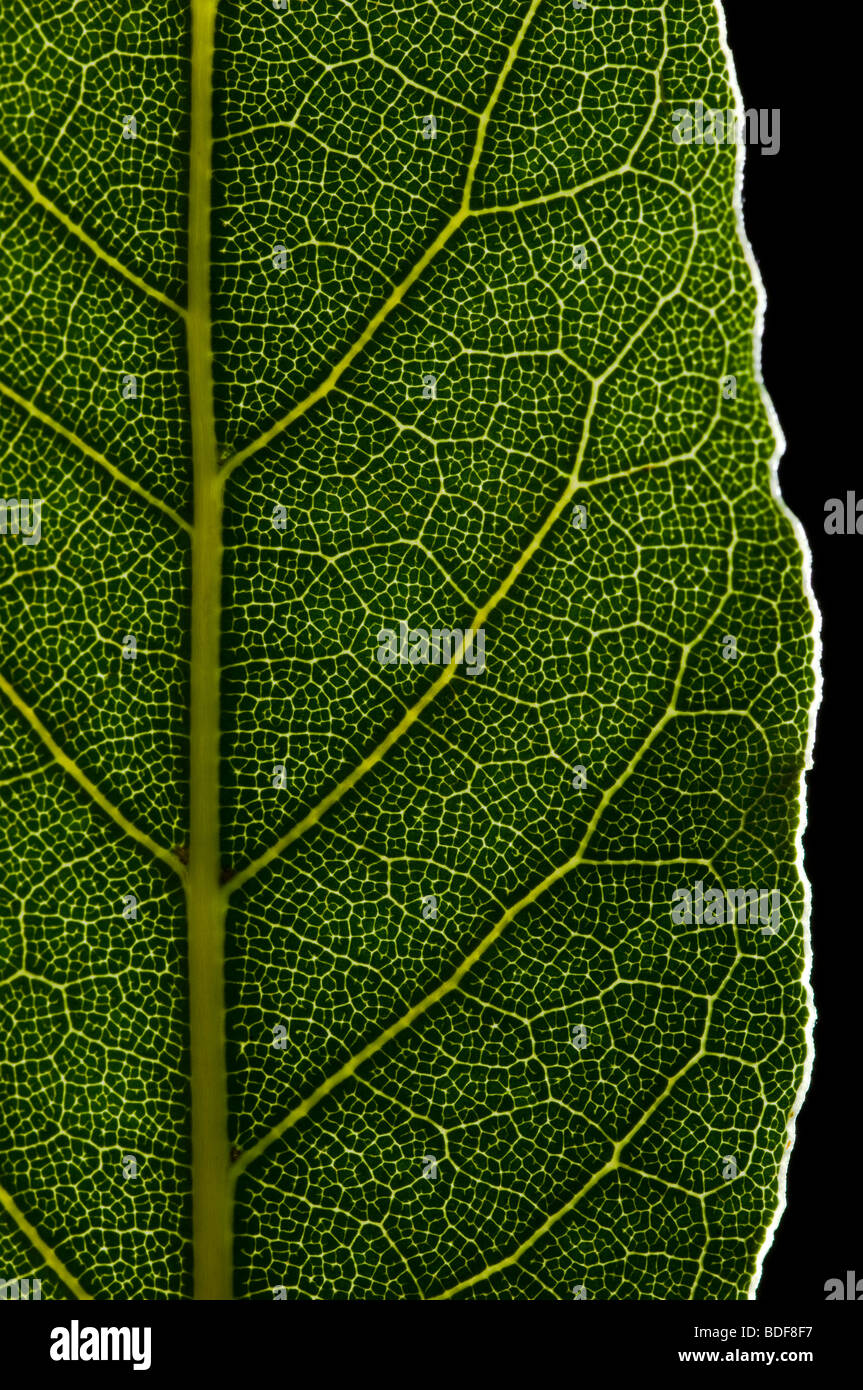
83	781
86	240
50	1256
538	890
116	473
416	270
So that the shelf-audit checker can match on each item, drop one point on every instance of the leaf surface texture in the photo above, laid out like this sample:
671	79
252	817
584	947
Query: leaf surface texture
564	379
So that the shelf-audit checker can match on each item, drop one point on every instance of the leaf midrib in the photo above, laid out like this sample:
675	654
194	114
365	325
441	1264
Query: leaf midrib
205	904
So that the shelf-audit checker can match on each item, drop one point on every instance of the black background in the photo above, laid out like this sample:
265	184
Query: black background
798	219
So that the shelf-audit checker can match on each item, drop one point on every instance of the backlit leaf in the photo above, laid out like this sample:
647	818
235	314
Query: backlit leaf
336	335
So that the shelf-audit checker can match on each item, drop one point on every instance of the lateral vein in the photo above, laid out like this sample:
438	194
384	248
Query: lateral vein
86	240
454	980
611	1166
411	715
51	1258
84	781
116	473
395	298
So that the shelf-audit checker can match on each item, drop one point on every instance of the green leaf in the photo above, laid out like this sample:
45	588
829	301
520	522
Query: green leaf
335	975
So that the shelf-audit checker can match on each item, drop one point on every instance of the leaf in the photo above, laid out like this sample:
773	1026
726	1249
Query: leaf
468	373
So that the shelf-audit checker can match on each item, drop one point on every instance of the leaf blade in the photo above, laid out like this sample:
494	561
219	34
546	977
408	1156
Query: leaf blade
411	1040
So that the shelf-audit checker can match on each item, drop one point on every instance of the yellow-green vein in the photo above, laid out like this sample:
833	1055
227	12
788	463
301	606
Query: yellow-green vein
83	781
86	240
51	1258
398	294
94	454
538	891
211	1193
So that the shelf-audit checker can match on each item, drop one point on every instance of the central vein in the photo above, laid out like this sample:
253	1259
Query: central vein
211	1187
